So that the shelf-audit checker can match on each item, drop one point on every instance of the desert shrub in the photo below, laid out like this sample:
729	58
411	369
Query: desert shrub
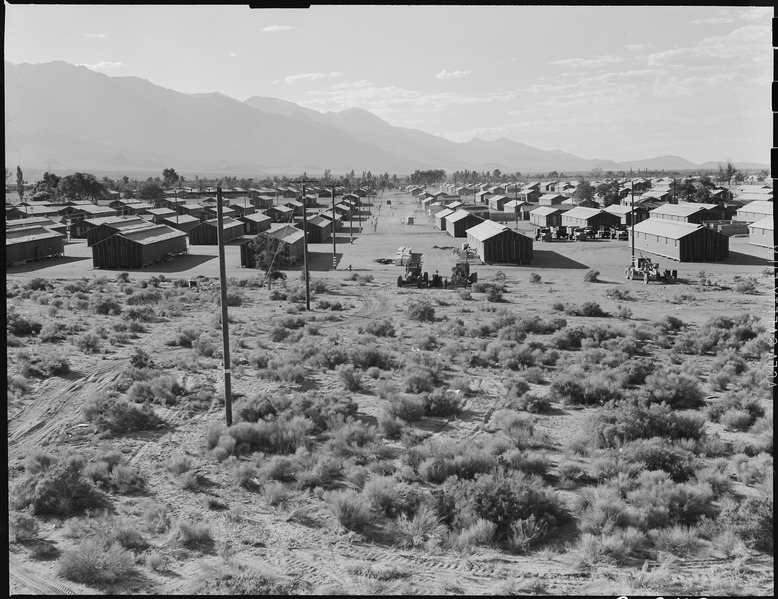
383	328
22	526
87	342
425	526
656	453
618	547
155	516
676	389
115	415
284	435
93	562
742	402
144	297
391	427
424	341
532	403
390	497
421	312
624	420
501	499
351	379
441	402
368	355
179	463
752	520
409	408
196	535
254	408
579	388
21	326
44	365
60	489
320	409
350	509
661	502
527	462
184	337
526	533
592	276
719	334
143	314
103	304
534	278
278	468
480	533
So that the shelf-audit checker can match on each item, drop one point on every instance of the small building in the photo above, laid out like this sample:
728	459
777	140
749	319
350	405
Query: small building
130	207
529	193
241	209
262	202
461	220
497	202
455	205
182	222
79	213
206	233
681	241
595	218
157	215
210	212
292	238
102	228
551	199
685	213
482	197
337	221
762	233
496	243
256	223
627	213
23	244
754	211
545	216
318	228
38	221
195	210
139	247
440	218
281	214
297	207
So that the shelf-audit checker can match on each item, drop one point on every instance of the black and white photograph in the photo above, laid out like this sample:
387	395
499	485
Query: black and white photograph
389	299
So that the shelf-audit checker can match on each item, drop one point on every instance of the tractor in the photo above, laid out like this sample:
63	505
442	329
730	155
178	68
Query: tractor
648	271
413	274
460	272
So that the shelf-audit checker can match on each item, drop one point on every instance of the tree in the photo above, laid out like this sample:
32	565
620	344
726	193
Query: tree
584	192
270	254
728	173
150	190
609	192
80	186
20	184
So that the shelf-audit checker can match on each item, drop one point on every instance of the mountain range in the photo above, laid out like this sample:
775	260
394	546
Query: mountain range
64	117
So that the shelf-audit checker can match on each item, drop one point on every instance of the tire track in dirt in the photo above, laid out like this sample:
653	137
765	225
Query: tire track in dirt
24	581
374	304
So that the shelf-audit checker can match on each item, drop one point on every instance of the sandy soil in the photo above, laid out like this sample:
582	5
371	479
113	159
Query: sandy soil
302	540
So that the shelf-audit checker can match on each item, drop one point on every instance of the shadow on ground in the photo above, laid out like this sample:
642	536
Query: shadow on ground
550	259
46	263
747	260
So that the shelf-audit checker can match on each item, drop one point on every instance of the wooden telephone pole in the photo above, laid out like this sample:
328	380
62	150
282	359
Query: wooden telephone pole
225	320
305	245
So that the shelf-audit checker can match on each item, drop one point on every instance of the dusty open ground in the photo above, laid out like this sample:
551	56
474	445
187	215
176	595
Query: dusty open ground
299	541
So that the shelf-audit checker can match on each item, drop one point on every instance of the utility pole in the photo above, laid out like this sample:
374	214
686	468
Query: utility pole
334	252
305	246
225	320
632	222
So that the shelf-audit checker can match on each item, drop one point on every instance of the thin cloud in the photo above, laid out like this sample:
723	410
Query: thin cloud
446	74
103	64
291	79
97	35
278	28
233	55
594	61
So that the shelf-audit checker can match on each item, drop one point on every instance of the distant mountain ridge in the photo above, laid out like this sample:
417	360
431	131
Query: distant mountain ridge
73	118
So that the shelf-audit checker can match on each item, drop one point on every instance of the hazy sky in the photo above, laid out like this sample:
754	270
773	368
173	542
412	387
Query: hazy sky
601	81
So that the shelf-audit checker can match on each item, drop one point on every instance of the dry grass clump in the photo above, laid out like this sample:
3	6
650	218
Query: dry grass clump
95	562
115	415
56	487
